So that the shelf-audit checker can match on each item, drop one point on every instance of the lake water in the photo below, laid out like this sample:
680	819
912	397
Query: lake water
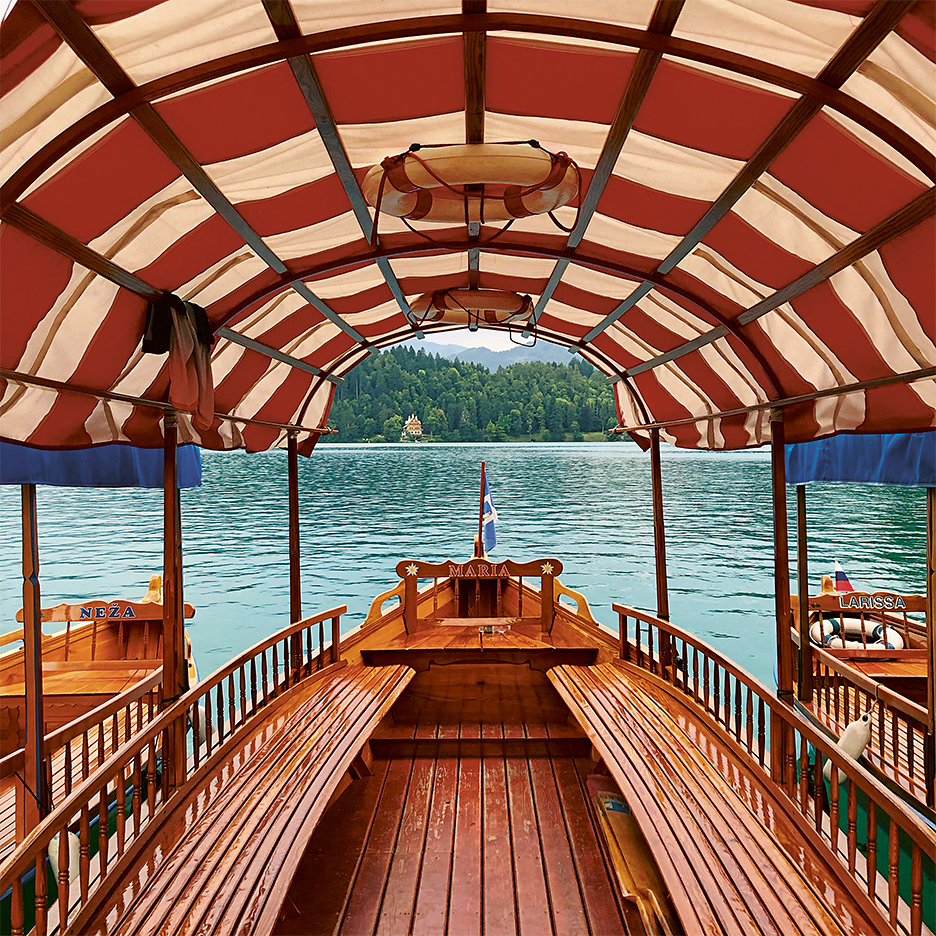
363	508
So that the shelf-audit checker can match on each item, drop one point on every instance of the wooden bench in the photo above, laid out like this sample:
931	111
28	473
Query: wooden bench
223	860
715	827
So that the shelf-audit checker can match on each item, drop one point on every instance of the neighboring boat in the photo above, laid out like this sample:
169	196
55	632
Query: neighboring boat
104	649
479	758
857	651
868	651
106	662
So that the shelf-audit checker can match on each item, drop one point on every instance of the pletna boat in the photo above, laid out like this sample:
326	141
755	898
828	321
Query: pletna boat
213	211
480	757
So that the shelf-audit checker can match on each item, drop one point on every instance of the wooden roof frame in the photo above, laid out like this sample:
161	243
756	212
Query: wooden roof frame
474	23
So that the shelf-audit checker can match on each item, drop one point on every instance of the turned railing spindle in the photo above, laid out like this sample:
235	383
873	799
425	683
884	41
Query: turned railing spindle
42	895
63	875
834	810
893	871
804	776
243	693
219	711
852	820
16	908
916	891
102	829
84	852
121	810
749	720
871	852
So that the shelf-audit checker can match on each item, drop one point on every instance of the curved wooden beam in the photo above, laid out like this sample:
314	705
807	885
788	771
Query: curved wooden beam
331	40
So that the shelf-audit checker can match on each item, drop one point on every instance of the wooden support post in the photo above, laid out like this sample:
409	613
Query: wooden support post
32	793
781	559
929	750
479	546
547	599
659	532
659	545
336	638
175	672
779	730
295	586
804	667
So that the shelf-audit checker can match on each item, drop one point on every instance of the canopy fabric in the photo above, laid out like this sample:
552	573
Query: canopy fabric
102	466
906	459
756	224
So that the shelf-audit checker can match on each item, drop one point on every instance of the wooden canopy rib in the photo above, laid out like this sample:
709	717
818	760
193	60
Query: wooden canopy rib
901	141
62	387
283	19
882	19
663	20
924	373
275	354
921	208
75	31
49	235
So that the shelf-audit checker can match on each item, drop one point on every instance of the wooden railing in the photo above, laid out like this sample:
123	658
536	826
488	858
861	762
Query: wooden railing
793	761
126	794
70	752
901	727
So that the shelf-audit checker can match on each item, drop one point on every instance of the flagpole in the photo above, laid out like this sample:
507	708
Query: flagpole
479	549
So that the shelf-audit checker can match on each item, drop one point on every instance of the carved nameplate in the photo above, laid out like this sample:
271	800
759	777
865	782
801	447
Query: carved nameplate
478	569
864	601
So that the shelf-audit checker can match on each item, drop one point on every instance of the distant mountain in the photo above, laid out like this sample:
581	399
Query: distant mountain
541	351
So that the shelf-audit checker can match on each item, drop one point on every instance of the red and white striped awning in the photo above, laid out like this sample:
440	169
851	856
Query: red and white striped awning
756	227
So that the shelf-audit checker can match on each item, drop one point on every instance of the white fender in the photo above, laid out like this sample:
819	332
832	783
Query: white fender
853	741
74	855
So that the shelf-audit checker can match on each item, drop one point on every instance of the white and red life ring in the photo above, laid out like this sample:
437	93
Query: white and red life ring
465	306
508	181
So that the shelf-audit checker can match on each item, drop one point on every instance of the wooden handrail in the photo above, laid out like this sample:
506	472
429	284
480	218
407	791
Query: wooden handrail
909	822
61	736
138	754
894	700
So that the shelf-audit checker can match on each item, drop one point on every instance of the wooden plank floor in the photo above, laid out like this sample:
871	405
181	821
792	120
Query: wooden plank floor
458	845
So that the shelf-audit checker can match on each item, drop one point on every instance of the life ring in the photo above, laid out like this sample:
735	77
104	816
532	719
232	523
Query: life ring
831	634
431	183
461	306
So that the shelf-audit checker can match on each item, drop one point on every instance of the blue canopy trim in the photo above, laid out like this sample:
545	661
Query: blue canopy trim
102	466
907	458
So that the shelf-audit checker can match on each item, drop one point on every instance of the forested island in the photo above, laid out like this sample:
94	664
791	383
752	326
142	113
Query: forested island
456	401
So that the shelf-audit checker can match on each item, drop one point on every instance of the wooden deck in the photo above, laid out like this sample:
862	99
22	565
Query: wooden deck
469	843
734	859
224	859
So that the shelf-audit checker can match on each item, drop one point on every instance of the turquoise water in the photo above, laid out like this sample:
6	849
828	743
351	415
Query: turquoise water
363	508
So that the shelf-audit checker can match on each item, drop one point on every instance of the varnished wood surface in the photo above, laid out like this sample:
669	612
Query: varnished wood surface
108	742
733	859
224	858
459	845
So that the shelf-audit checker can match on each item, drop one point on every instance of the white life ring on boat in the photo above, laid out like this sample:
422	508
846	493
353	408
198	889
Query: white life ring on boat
460	306
831	634
429	183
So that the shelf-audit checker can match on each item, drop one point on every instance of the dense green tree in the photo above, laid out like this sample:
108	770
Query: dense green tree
457	401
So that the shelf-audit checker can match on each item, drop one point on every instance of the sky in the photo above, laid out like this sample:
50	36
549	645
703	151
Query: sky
496	340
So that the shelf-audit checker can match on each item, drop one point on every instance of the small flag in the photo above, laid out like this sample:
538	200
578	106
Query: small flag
841	579
489	519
